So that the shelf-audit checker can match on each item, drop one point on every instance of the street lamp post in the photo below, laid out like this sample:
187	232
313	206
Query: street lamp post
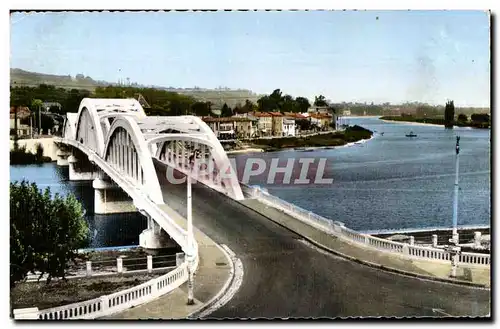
455	199
190	238
454	247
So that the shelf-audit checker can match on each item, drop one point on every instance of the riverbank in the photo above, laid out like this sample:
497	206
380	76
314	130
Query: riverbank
20	155
329	140
245	150
433	122
412	123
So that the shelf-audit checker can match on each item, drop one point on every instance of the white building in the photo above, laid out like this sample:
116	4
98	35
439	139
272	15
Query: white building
288	127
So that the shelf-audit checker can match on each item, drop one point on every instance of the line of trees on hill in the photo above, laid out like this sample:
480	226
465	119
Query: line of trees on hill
161	102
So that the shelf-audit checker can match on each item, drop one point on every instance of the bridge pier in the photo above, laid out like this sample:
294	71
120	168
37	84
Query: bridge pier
81	169
62	158
154	237
110	199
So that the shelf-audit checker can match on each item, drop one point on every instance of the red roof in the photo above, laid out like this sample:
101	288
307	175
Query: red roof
261	114
226	119
22	112
294	115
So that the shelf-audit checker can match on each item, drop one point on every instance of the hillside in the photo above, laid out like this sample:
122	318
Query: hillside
232	97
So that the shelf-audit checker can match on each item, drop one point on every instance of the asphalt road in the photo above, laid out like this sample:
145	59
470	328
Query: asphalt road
285	277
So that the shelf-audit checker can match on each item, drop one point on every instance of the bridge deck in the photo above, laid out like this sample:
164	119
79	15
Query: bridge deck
286	278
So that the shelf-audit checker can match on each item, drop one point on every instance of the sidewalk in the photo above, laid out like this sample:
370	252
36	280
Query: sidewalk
419	267
213	272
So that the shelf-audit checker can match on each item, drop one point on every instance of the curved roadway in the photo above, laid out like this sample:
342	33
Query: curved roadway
284	277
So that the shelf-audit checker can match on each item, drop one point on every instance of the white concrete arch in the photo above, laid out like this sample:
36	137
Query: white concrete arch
221	159
204	136
151	183
93	134
69	125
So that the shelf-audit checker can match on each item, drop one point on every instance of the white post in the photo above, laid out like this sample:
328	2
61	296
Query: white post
412	240
119	264
179	259
477	239
26	313
190	244
89	268
150	263
434	240
104	304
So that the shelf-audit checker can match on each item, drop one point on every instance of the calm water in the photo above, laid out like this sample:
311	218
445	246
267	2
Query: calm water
390	182
395	182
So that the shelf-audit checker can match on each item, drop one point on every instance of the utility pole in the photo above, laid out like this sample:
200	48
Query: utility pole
190	240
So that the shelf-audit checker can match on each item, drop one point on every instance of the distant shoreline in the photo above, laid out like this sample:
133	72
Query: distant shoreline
413	123
416	123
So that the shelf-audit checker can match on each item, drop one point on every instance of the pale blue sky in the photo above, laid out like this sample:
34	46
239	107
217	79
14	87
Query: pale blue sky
347	56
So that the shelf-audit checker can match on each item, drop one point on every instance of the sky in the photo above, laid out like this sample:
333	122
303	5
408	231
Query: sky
364	56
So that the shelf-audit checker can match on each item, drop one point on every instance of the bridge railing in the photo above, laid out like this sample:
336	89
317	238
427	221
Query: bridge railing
113	303
473	258
338	229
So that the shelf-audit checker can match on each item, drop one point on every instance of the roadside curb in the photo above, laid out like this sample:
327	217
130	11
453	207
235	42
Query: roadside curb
229	282
374	265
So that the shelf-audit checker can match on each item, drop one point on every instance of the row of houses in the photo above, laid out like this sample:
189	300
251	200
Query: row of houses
268	124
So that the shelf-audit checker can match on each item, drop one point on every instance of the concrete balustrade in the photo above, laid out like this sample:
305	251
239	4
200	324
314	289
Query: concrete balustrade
338	229
109	304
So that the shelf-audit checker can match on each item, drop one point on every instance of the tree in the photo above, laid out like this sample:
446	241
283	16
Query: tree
480	117
36	104
302	104
449	114
249	106
200	109
304	124
320	101
226	111
55	109
45	232
462	118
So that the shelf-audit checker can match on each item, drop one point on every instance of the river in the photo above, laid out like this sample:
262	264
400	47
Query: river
389	182
395	182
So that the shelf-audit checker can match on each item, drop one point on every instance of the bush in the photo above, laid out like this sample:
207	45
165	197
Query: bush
19	155
45	232
39	151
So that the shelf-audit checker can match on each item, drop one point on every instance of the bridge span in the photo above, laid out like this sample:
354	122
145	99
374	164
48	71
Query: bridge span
130	158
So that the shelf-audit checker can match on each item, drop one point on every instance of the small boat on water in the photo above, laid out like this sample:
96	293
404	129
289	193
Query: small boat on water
411	134
382	134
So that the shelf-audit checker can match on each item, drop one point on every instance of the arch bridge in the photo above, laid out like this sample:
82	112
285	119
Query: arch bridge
114	143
